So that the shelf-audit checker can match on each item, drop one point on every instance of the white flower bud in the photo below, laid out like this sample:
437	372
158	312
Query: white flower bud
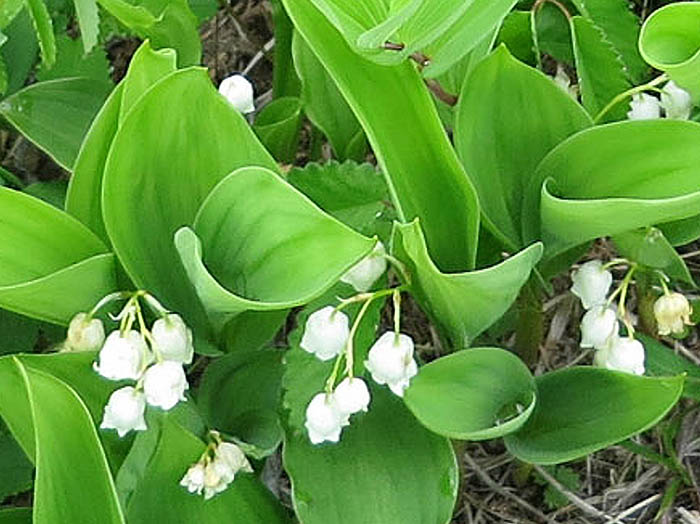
351	396
622	354
390	361
598	326
562	80
173	339
591	283
123	357
326	333
232	455
644	107
85	334
194	478
676	102
323	420
164	384
124	411
366	272
672	313
238	90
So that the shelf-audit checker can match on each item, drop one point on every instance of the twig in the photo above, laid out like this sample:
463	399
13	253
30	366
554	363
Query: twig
573	498
486	479
259	55
635	508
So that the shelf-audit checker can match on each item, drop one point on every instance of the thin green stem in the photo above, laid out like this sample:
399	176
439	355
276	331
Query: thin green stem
397	316
629	93
112	297
361	297
400	268
621	309
349	348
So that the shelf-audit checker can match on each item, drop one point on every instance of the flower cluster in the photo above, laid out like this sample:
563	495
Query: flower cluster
327	335
152	358
216	468
675	102
600	325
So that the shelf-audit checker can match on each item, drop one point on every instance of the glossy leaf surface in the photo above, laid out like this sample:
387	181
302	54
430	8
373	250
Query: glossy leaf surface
580	410
398	470
45	254
36	110
287	251
154	169
475	394
278	125
670	43
643	173
423	174
463	304
509	117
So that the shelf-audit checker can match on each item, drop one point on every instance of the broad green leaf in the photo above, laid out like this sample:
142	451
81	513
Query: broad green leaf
553	35
509	117
516	34
17	470
156	170
386	468
20	50
475	394
16	516
146	68
648	246
252	330
36	111
52	192
72	61
669	42
423	174
662	361
355	194
305	375
203	9
323	102
52	266
278	125
172	25
9	9
620	27
69	456
280	253
600	71
4	78
160	498
285	81
463	305
24	334
240	396
89	22
580	410
44	30
643	173
84	196
481	18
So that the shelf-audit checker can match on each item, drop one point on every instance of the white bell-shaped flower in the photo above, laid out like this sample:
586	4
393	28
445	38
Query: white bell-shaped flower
622	354
591	283
173	339
123	356
362	275
232	455
598	326
238	90
194	478
326	333
323	419
644	107
125	411
351	396
164	384
672	312
217	477
85	334
676	102
390	361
